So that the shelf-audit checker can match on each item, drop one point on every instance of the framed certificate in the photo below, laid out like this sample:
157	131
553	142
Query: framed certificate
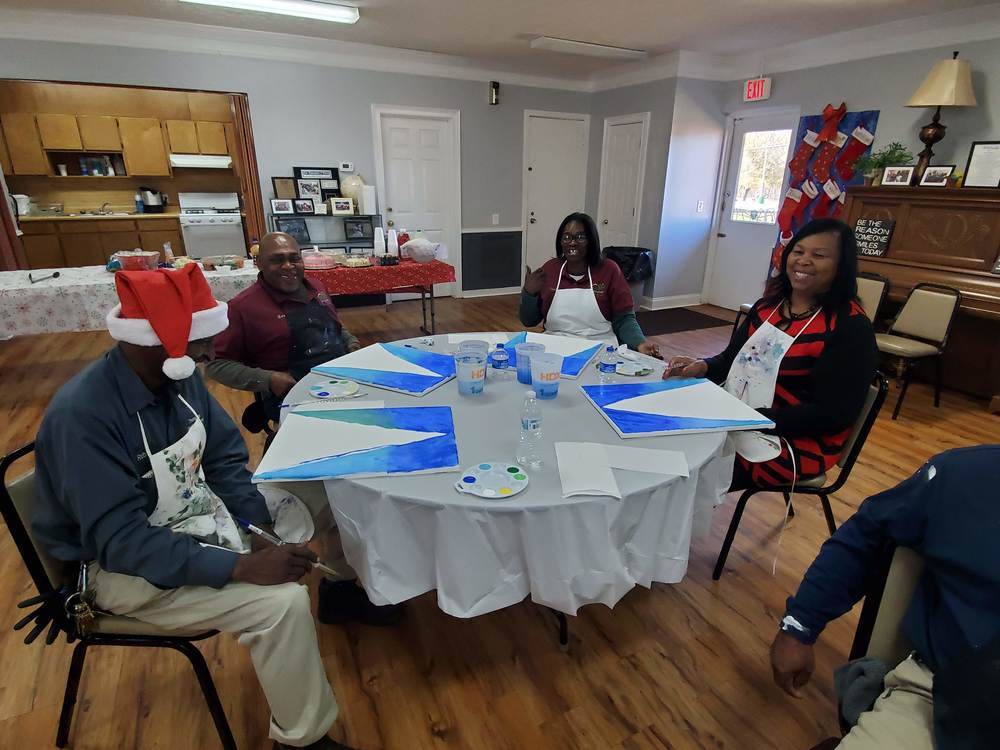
983	168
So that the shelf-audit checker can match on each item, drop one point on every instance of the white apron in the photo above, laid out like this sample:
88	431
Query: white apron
186	504
753	377
574	312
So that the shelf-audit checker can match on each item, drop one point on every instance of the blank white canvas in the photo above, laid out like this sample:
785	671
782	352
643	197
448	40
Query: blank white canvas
567	346
375	357
703	400
302	439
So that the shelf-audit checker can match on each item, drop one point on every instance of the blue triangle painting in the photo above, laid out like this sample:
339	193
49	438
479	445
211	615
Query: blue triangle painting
411	383
571	367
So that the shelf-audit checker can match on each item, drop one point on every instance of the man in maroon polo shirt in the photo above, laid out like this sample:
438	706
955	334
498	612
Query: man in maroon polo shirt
279	329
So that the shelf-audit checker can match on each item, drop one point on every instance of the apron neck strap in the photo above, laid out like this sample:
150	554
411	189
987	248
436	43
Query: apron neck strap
589	277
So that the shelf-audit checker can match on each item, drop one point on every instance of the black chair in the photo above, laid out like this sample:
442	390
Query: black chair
255	419
55	580
744	310
872	291
817	485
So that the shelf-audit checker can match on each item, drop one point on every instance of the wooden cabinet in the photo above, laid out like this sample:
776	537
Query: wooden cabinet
59	132
5	166
143	147
211	138
99	133
154	239
43	251
112	242
183	136
23	144
81	249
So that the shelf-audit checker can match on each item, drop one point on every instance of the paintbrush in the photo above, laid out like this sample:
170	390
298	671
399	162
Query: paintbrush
277	542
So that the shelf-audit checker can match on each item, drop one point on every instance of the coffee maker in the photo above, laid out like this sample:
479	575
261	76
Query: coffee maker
152	200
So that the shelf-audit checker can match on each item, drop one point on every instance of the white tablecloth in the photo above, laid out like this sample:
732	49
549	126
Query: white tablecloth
80	298
408	535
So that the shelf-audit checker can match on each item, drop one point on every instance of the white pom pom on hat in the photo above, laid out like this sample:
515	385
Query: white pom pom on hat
168	309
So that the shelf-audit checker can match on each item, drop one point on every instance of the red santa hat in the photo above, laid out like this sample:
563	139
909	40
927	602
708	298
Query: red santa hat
168	309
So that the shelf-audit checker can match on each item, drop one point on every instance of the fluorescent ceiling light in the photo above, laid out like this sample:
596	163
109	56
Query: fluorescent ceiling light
572	47
320	11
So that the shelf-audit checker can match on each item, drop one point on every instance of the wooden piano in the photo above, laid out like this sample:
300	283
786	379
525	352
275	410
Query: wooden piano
946	236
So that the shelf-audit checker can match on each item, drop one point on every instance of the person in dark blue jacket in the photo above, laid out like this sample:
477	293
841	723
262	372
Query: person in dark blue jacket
946	695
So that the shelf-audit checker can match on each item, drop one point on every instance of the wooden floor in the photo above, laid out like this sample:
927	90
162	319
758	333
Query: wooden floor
682	666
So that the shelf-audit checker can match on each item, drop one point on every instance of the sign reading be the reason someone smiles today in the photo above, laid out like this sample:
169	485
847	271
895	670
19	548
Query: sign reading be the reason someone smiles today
873	236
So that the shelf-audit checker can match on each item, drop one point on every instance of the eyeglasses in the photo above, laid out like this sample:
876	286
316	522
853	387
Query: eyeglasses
579	239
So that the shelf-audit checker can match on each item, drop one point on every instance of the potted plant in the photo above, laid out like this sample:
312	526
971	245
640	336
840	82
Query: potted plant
871	165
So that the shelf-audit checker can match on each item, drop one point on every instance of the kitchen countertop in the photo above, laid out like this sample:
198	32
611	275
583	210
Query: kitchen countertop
92	217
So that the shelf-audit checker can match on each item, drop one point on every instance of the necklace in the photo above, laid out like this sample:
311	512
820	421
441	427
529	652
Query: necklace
801	315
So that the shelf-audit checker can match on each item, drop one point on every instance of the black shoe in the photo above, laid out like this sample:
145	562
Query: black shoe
345	601
323	743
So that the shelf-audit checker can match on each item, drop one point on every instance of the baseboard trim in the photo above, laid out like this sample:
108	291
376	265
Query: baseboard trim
490	230
490	292
665	303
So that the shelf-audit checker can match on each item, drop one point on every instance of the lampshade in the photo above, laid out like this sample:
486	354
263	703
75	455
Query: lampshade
949	84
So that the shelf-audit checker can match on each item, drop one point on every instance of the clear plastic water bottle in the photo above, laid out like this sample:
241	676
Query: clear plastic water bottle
529	445
500	360
606	366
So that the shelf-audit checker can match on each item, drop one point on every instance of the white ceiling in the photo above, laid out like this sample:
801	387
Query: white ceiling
497	33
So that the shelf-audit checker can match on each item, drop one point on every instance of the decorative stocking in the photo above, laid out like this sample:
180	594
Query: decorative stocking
779	247
788	209
809	192
838	206
824	159
831	192
803	153
860	140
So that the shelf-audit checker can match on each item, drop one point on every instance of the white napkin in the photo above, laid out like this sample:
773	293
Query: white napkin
585	468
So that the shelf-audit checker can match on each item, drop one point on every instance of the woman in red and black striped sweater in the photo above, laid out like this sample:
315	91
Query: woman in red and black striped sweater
824	377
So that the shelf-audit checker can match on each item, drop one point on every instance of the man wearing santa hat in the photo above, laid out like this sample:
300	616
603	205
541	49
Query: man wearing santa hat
142	476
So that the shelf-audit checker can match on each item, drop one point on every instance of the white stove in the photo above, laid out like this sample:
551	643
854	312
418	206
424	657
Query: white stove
211	224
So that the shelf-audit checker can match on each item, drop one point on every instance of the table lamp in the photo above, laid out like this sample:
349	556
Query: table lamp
949	84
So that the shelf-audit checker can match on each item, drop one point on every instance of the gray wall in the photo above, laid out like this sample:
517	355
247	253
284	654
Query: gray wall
885	83
310	114
696	137
657	98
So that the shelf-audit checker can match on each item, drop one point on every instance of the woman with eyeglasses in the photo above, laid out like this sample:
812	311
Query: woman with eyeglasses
579	293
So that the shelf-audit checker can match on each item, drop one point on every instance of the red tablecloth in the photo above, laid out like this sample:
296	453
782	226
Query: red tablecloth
381	279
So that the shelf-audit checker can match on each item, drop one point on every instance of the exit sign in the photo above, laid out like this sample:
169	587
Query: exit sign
757	90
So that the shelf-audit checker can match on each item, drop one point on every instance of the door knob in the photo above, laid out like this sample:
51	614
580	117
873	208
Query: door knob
390	223
389	209
605	221
720	234
532	220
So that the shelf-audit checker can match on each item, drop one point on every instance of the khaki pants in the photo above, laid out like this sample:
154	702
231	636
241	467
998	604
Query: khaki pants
902	718
313	496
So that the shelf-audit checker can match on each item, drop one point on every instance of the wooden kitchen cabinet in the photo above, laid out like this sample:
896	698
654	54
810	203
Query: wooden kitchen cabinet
112	242
81	249
24	146
143	147
183	136
99	133
211	138
154	239
4	156
59	132
43	251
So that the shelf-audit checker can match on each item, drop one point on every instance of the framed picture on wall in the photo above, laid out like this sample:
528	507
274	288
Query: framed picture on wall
308	189
361	228
304	206
983	167
329	178
898	176
937	175
284	187
295	227
341	206
281	206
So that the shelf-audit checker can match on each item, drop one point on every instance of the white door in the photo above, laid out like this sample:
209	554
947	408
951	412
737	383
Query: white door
623	161
747	223
555	177
418	180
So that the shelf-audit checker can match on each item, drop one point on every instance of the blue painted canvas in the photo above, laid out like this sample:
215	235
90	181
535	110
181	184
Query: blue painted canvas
672	407
393	367
326	444
573	364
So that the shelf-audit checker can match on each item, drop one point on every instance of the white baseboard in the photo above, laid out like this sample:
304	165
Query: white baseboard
491	292
665	303
490	230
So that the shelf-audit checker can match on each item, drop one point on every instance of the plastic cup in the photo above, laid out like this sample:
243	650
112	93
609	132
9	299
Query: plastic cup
523	354
474	345
546	369
470	368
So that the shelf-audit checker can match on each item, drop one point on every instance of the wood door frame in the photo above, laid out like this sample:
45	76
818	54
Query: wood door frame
528	113
644	119
453	232
723	176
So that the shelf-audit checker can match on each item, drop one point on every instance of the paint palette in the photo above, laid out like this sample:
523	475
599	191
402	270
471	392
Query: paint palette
334	389
494	480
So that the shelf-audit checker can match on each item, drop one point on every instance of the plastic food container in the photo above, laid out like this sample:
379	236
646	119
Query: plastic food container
318	259
214	262
138	260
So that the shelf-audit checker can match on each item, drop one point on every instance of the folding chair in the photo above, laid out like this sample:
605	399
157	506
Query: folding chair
872	289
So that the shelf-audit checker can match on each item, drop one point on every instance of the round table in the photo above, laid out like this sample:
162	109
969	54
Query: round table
407	535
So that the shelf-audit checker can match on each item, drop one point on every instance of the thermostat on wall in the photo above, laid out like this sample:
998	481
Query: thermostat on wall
347	166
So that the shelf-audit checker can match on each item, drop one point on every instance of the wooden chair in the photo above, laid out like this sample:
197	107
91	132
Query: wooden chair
920	331
55	580
872	289
817	485
744	310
